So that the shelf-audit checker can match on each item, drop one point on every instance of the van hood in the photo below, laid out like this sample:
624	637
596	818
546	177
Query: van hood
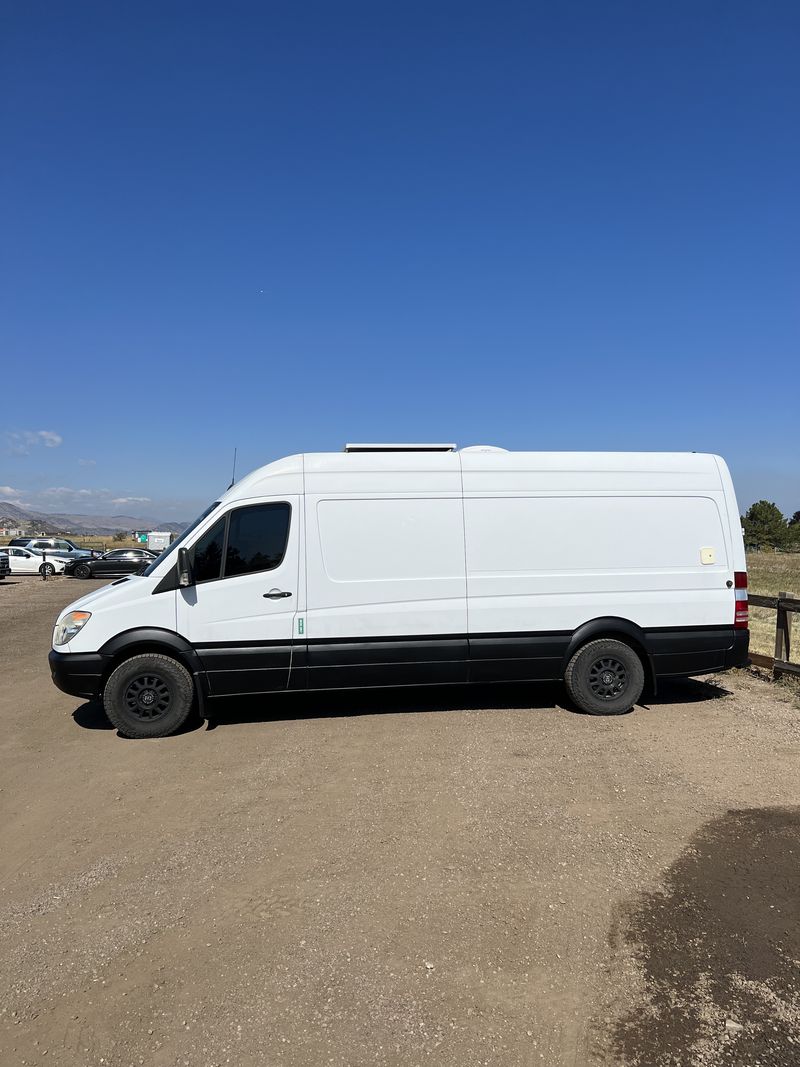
109	594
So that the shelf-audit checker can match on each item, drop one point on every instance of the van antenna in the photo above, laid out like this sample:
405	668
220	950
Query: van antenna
233	472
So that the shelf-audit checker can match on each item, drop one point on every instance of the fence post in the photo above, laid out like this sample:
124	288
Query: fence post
783	634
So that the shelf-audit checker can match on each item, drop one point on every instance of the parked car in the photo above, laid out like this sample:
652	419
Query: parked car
113	564
55	546
26	561
5	566
409	565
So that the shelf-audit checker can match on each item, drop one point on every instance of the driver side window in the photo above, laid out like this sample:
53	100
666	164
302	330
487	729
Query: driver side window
207	562
250	539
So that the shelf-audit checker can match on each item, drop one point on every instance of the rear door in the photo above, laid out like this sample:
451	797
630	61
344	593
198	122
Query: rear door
240	612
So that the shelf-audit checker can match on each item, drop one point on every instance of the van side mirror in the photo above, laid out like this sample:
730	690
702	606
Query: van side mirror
185	576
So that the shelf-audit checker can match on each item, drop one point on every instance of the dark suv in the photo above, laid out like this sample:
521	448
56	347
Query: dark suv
5	566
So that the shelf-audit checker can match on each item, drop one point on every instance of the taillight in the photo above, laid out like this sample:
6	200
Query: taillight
741	614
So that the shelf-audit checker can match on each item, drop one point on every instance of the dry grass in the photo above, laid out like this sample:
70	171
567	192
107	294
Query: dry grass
770	573
105	544
100	544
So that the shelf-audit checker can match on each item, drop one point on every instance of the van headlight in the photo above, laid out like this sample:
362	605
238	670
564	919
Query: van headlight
72	624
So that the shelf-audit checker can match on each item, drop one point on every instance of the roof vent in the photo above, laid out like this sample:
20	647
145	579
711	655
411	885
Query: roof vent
484	448
399	448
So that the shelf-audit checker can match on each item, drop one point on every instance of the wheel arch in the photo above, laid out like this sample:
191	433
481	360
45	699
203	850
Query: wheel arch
617	629
163	642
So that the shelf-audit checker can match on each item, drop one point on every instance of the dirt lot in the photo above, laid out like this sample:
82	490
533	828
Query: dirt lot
456	878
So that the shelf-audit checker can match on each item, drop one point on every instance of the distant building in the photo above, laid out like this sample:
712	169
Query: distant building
158	540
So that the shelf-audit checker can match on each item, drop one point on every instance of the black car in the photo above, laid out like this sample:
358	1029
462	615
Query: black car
5	566
112	564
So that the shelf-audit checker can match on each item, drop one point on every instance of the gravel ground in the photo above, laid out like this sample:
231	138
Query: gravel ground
463	877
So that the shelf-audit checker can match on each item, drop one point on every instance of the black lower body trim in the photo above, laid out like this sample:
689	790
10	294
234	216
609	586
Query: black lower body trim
231	669
681	653
386	661
235	670
517	657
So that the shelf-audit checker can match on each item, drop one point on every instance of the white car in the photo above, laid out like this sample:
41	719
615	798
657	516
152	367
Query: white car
24	561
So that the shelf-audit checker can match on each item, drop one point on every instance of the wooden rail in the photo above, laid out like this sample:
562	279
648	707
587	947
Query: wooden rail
784	605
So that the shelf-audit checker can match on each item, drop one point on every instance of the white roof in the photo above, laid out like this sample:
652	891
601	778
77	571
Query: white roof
299	473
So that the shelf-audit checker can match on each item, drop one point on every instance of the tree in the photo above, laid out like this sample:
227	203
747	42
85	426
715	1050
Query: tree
764	525
795	519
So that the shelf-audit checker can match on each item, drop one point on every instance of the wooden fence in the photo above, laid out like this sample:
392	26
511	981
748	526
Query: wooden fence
784	605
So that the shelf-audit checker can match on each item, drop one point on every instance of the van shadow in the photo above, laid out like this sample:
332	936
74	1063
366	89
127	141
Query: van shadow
538	696
92	716
286	707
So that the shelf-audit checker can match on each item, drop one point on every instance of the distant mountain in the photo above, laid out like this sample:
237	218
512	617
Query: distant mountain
63	523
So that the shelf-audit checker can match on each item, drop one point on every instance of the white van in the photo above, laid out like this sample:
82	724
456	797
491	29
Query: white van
389	565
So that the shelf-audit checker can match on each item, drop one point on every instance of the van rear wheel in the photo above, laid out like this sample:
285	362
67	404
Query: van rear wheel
148	696
605	677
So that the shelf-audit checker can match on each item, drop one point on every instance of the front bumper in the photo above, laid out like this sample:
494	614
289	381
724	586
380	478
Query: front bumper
78	673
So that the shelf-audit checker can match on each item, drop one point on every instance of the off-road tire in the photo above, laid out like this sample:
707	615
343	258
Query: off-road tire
605	677
82	571
148	696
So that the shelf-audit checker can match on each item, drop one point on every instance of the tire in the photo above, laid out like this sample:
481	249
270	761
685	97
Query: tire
148	696
82	571
605	677
48	569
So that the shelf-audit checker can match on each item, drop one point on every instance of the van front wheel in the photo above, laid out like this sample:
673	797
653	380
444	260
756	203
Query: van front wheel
148	696
605	677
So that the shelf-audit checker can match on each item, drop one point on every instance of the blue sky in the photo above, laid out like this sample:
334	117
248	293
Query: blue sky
282	227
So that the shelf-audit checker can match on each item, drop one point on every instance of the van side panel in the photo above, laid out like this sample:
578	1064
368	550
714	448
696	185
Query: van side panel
386	573
550	550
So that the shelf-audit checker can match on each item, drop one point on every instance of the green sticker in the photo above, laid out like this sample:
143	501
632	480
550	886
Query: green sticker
300	626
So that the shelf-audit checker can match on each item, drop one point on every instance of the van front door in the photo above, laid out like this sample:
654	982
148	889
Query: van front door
239	613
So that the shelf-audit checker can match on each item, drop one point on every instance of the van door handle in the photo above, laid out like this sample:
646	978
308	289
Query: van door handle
276	594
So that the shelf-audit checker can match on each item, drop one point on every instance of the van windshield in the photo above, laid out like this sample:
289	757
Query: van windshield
180	539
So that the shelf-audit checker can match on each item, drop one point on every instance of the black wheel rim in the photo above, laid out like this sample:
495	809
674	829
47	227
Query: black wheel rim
608	678
147	697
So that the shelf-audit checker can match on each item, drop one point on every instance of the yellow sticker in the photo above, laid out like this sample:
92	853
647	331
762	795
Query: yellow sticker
708	555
